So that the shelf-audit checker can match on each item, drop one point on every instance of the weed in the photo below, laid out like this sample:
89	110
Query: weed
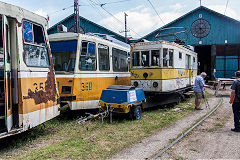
63	138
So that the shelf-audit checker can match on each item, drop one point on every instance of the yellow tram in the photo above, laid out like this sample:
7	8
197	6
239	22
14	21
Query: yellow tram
28	92
162	67
85	65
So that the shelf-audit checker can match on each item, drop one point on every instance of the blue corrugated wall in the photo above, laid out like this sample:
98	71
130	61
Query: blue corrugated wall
222	28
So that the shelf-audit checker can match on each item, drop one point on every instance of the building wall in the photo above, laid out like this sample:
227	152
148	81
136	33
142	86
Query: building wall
222	29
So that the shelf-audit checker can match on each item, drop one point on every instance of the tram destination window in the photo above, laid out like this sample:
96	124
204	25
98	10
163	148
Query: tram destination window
88	56
35	51
103	55
119	60
135	58
145	58
155	57
165	57
171	57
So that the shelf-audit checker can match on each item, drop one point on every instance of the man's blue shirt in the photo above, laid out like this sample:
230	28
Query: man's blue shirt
199	83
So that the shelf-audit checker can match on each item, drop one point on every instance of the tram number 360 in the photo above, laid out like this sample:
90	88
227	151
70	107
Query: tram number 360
87	86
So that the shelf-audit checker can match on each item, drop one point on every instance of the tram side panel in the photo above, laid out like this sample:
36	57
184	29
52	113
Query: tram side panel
29	94
39	95
88	89
92	72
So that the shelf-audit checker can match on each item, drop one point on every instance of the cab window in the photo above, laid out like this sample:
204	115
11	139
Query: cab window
35	50
88	56
103	57
145	58
165	57
155	58
119	60
135	58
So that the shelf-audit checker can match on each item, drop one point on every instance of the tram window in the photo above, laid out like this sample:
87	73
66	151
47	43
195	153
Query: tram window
180	55
188	57
35	51
145	58
155	57
88	56
103	57
171	57
193	59
135	58
1	53
165	50
64	55
119	60
64	61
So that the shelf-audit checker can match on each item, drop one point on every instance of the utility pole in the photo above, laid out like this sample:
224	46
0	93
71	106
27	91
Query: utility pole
200	2
125	16
76	16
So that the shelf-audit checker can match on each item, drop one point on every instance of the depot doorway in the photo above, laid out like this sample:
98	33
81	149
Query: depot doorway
204	60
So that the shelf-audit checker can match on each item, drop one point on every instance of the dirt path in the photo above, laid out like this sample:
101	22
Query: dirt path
211	140
151	145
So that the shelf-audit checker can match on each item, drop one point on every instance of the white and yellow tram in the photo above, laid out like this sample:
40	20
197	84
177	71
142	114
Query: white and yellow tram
28	92
161	67
85	65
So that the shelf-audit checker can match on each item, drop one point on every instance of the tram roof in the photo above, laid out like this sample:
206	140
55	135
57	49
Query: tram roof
20	13
74	36
154	43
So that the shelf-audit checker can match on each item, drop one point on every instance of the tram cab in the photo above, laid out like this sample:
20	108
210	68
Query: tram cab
85	65
28	92
162	67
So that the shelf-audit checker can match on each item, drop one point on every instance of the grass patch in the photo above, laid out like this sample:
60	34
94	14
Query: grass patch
63	138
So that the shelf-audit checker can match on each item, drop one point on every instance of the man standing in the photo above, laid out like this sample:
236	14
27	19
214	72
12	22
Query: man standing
198	89
235	101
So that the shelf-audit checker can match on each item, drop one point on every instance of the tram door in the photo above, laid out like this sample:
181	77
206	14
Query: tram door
7	73
188	67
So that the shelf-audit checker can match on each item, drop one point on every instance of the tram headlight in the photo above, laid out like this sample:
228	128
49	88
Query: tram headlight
155	84
135	84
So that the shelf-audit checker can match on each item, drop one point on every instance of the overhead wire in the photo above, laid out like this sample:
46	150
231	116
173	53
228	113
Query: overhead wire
226	7
156	11
101	5
63	9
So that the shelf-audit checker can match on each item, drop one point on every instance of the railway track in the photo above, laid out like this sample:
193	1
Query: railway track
158	154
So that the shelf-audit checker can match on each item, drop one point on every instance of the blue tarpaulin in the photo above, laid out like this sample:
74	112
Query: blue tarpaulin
63	46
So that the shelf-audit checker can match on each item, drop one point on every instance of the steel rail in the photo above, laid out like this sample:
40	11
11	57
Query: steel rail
185	133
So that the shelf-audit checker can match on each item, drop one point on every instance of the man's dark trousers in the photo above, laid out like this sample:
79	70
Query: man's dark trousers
236	113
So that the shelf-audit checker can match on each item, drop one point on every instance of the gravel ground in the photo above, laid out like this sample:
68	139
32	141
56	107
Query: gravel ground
211	140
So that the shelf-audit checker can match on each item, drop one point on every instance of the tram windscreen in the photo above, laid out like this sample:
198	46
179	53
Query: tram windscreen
145	58
155	57
64	55
135	58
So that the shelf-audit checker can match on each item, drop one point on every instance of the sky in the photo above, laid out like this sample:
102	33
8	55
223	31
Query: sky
144	16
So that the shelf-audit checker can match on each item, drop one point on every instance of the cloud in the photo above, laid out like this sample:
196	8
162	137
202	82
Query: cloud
221	9
177	6
140	20
41	12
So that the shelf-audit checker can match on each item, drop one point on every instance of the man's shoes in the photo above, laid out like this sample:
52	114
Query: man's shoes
235	130
198	109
